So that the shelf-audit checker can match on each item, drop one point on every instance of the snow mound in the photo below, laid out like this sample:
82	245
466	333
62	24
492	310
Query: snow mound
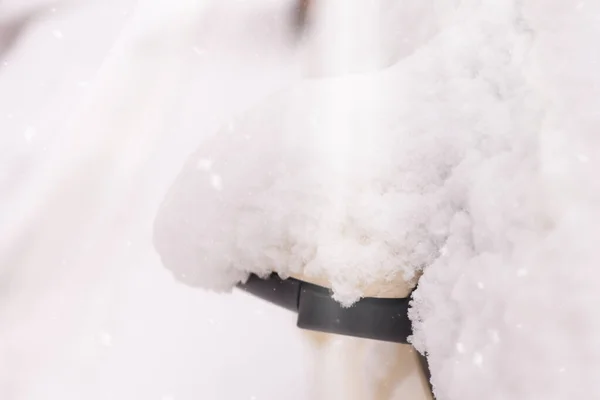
351	178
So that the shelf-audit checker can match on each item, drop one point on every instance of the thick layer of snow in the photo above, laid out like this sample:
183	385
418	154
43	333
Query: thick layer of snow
100	102
333	177
509	310
356	178
473	157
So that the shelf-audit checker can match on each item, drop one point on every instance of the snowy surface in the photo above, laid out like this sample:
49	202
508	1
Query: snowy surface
100	103
473	157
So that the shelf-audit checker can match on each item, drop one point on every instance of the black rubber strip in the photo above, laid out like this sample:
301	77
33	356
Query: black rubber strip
282	292
369	318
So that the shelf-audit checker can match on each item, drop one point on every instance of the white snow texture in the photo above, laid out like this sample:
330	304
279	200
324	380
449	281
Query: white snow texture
473	158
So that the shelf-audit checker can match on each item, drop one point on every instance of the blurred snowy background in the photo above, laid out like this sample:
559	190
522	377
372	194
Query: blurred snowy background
100	103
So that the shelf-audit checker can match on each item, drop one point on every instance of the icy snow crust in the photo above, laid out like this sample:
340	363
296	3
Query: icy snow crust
473	158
